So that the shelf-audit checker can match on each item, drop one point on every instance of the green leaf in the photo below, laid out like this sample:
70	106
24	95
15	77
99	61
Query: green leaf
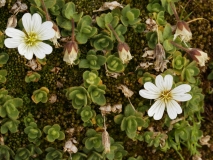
131	124
167	31
49	3
129	110
69	12
84	64
209	77
61	136
90	132
123	124
160	18
118	118
168	46
12	111
64	23
3	58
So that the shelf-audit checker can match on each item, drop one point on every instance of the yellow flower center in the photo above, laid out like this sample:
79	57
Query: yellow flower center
166	96
31	39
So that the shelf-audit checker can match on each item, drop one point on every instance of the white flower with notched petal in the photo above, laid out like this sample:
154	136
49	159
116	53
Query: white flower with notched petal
30	42
165	96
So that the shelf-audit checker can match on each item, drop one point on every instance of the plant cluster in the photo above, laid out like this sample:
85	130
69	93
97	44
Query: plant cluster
169	74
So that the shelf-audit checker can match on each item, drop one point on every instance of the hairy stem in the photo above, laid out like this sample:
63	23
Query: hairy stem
45	10
175	12
73	29
115	34
179	46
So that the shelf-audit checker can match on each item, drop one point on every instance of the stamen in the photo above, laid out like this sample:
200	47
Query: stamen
166	96
31	39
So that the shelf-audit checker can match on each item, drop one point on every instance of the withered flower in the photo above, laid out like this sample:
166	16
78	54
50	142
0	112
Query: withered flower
12	21
57	35
106	141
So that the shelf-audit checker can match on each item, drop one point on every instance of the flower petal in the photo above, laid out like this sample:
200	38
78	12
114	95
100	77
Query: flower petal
148	95
157	110
36	22
159	82
181	89
168	81
26	21
176	106
151	87
182	97
171	111
12	43
46	31
41	49
173	108
26	51
15	33
159	114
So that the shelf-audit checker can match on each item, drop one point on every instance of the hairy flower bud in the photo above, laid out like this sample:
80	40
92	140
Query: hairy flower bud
70	52
198	55
124	52
183	31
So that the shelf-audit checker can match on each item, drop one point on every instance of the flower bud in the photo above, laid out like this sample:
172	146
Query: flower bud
183	31
70	52
124	52
198	55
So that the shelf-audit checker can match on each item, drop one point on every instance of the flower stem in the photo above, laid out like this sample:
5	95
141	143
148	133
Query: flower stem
158	34
45	10
131	104
179	46
73	29
104	122
174	11
196	20
181	157
115	34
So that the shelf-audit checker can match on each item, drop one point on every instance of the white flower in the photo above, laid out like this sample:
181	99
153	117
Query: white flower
165	96
29	41
183	31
